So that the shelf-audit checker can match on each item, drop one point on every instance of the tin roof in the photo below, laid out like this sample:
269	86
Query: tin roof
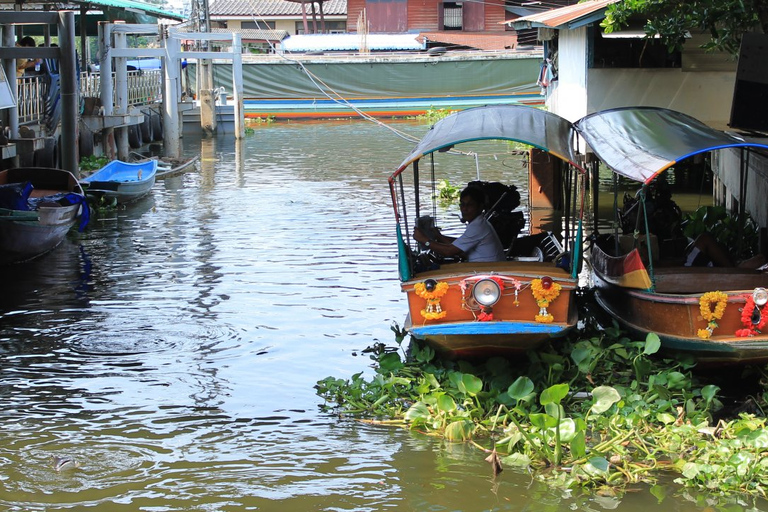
151	9
572	16
351	42
258	8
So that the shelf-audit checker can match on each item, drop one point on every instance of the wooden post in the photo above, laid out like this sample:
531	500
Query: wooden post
105	85
121	90
171	115
70	95
237	86
9	39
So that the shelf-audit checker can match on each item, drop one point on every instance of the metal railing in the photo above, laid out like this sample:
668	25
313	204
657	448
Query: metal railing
144	86
32	93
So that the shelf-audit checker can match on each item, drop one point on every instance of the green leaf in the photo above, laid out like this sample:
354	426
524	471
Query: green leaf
445	403
521	388
519	460
605	397
417	413
666	418
578	445
582	356
597	466
554	410
470	384
390	362
554	394
652	344
459	430
542	421
690	470
709	392
567	430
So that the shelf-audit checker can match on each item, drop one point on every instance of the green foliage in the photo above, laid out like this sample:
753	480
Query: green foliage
92	163
724	20
434	115
602	411
260	120
447	193
736	232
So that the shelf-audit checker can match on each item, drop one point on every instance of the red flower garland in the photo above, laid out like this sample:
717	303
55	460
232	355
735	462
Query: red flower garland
751	329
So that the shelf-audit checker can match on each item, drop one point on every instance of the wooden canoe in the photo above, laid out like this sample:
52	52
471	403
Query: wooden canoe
40	220
672	308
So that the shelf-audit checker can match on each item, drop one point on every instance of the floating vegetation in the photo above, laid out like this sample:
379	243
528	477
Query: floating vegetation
259	120
603	412
434	115
92	163
447	193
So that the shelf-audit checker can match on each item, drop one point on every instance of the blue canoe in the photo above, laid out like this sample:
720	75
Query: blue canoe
123	181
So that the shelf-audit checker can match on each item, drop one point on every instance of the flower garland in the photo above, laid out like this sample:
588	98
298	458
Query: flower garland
433	311
751	329
544	290
711	316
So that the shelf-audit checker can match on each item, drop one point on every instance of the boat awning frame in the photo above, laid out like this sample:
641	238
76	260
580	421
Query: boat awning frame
642	142
528	125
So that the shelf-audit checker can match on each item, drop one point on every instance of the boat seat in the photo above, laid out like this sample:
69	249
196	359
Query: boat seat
707	279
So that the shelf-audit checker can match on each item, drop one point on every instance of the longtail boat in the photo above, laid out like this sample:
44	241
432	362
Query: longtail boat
479	309
714	314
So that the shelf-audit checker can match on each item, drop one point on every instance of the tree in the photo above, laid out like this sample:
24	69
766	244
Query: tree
670	20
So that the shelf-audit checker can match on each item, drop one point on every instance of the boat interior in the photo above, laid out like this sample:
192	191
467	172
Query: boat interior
671	275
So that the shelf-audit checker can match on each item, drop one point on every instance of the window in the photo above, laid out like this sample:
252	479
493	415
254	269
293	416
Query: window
331	27
452	15
258	25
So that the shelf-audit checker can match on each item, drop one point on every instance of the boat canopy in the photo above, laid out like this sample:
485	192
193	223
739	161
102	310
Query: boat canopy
528	125
642	142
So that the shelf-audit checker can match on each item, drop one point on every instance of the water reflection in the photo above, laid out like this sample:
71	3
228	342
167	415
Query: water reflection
172	348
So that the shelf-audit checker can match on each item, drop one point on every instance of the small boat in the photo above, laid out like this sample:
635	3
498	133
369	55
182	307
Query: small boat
480	309
716	315
38	206
168	167
122	181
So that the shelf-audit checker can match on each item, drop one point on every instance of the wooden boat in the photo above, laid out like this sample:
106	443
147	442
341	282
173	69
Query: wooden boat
123	181
699	311
38	206
169	167
466	309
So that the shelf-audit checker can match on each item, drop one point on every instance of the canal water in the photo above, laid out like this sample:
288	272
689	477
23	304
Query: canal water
169	352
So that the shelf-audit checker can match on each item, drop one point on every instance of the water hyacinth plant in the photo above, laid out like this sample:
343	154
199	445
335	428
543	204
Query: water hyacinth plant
602	412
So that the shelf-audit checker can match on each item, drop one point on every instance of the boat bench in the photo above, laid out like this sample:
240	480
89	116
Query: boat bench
706	279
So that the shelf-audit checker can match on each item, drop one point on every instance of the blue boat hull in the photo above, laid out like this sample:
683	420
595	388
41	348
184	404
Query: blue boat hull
123	181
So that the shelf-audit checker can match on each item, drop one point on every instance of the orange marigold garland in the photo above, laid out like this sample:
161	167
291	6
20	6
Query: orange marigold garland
433	311
720	300
751	328
544	290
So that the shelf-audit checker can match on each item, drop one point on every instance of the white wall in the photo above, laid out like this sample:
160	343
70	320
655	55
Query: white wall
568	98
704	95
726	166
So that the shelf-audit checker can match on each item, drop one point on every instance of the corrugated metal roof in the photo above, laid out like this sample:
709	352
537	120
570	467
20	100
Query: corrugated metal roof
258	8
478	40
247	34
350	42
571	16
151	9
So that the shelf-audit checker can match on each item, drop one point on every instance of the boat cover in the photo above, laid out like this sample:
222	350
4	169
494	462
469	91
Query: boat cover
528	125
641	142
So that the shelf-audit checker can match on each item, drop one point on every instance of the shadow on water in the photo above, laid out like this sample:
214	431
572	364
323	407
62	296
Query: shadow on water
171	349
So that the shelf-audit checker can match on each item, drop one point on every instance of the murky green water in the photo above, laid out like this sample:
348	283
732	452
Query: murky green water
171	349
